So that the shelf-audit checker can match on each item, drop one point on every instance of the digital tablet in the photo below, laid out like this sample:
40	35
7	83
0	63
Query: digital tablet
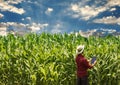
93	60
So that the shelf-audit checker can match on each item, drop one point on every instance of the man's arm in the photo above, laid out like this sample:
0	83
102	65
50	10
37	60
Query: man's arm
88	64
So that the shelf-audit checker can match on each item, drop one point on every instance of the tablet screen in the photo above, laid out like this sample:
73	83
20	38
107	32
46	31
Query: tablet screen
93	60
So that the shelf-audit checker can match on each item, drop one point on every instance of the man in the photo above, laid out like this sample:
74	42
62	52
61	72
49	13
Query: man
82	66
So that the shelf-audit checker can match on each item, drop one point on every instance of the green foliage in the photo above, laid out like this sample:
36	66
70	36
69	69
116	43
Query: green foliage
49	59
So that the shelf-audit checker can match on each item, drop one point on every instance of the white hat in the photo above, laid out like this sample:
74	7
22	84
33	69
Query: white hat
80	49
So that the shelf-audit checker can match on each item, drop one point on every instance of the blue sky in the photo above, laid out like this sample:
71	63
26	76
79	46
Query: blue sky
60	16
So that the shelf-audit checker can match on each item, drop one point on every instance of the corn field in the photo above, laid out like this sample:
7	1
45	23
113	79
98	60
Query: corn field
49	59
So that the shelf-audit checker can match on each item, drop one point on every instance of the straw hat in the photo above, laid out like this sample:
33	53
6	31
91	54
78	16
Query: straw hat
80	49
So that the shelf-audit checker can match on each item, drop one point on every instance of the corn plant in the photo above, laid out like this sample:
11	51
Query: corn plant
49	59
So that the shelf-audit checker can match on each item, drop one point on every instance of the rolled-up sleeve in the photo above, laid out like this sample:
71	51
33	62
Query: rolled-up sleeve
86	63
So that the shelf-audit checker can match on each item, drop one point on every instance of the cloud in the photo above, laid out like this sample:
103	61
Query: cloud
108	30
20	27
48	11
15	25
28	18
96	32
13	1
111	3
108	20
3	30
3	33
5	6
87	33
84	11
59	27
1	15
56	28
36	27
112	9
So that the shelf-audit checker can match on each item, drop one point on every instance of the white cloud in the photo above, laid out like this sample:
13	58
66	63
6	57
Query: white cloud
22	19
112	9
1	15
108	20
14	1
86	12
1	1
59	27
3	33
22	27
3	30
56	28
28	18
111	3
49	11
87	33
4	6
108	30
95	32
83	11
36	27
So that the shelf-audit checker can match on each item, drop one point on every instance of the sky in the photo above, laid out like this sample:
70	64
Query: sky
60	16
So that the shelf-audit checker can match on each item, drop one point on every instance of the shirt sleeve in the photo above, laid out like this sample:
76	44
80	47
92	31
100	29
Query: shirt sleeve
86	63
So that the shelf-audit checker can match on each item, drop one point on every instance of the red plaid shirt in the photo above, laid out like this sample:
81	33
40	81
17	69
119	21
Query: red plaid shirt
82	65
